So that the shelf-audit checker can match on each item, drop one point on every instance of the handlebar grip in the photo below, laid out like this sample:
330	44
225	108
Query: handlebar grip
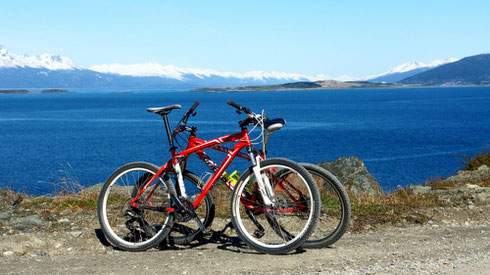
239	107
231	103
195	105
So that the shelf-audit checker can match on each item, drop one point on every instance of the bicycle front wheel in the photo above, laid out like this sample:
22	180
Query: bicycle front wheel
335	208
135	228
285	225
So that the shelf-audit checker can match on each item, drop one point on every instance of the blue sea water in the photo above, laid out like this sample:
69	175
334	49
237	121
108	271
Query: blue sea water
404	136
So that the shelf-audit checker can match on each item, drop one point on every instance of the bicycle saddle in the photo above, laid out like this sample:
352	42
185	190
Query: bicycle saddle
164	110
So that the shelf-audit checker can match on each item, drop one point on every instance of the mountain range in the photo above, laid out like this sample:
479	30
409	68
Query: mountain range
472	70
405	70
51	70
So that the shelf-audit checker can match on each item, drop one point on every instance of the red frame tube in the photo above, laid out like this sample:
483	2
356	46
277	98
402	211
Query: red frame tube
196	146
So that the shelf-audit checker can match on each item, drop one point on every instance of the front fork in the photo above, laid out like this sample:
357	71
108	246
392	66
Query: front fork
265	187
180	179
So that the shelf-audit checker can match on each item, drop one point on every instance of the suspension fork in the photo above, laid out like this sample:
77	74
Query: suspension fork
265	187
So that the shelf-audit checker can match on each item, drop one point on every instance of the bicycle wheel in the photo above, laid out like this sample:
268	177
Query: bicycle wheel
290	221
186	232
133	228
335	208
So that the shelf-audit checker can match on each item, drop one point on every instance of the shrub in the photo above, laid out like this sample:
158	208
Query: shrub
479	159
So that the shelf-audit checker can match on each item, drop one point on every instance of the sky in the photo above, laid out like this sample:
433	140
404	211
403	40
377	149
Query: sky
356	38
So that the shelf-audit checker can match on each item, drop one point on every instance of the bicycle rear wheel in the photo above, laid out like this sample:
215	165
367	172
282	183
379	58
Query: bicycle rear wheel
290	221
135	228
335	208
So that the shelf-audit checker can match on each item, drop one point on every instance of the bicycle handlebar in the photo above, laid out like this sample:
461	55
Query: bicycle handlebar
189	112
183	122
239	107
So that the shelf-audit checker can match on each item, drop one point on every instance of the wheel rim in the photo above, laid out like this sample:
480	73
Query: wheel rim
117	198
289	226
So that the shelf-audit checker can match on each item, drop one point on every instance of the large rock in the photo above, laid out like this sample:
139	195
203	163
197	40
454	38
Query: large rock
467	176
353	174
466	187
465	194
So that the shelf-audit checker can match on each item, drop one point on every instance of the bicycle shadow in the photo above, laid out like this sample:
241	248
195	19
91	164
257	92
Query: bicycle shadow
220	238
223	241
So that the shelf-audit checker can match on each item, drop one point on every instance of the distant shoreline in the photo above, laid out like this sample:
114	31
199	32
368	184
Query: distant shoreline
323	85
48	91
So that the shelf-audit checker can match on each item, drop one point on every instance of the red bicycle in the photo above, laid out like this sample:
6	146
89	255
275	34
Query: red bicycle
335	205
274	206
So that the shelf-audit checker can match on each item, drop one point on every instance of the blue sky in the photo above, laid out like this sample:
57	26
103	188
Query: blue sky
313	37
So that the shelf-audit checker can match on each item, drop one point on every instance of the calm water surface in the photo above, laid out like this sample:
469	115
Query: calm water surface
404	136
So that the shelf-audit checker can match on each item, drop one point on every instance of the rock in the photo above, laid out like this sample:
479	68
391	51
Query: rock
5	216
52	218
471	186
28	221
10	198
64	220
76	234
483	197
467	194
95	188
353	174
8	253
483	168
420	190
34	242
483	172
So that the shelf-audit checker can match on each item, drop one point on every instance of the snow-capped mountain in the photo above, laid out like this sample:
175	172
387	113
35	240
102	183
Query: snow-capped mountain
185	74
51	70
408	69
46	61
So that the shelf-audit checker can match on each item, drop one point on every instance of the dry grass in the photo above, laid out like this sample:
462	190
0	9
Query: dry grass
368	211
397	208
68	193
446	184
222	196
75	202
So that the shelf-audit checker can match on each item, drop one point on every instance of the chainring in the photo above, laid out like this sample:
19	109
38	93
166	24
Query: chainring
186	214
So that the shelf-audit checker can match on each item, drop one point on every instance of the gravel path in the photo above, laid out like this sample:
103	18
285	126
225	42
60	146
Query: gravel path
454	247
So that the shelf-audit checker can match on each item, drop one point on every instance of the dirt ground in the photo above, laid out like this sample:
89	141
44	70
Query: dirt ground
454	242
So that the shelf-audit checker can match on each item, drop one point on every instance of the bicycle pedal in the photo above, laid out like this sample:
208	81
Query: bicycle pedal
207	233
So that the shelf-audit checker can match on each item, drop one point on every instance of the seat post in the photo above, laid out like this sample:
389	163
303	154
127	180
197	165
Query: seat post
169	134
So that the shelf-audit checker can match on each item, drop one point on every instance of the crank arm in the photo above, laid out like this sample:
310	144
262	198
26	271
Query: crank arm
201	225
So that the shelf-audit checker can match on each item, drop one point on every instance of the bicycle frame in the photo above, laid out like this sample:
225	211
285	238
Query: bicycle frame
197	146
193	141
